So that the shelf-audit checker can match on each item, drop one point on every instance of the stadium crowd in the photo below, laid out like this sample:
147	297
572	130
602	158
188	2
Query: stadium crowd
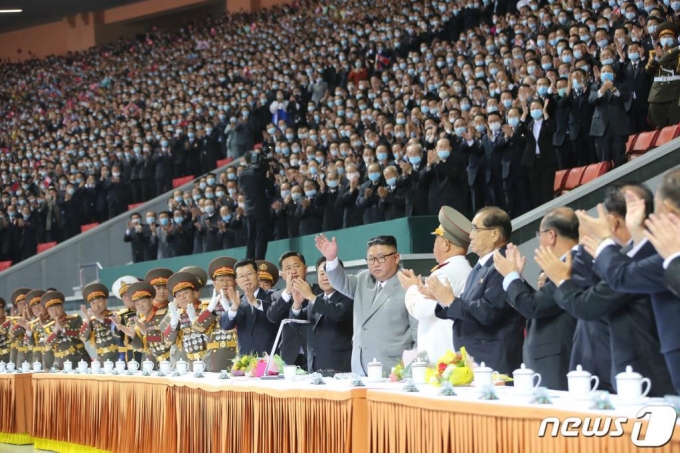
371	111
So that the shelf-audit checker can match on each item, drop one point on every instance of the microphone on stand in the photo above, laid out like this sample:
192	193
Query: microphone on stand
276	342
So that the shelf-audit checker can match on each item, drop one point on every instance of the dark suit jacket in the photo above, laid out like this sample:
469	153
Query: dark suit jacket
580	113
672	277
637	81
550	332
547	158
294	336
329	334
644	274
258	190
476	160
489	328
256	333
610	111
445	181
561	119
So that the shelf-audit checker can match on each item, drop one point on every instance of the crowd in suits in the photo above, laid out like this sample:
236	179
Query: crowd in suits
440	92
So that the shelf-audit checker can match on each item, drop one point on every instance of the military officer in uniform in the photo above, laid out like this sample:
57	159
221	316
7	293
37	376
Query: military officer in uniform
222	345
664	65
177	325
452	239
146	335
200	274
63	333
4	332
268	274
17	333
35	330
125	316
97	323
159	279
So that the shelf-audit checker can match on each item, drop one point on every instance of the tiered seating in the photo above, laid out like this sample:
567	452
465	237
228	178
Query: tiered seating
568	180
89	226
45	246
644	141
178	182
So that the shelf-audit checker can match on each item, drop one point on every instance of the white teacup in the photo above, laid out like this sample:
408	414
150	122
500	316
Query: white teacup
82	366
290	372
108	366
120	366
37	366
3	367
181	367
147	366
523	379
96	366
581	383
629	385
68	366
11	367
485	376
25	367
164	367
133	365
198	366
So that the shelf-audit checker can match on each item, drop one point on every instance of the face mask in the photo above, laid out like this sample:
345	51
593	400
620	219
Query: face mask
602	43
576	84
165	221
634	56
374	176
178	220
285	193
443	154
226	218
607	61
296	196
542	90
415	160
495	126
607	76
310	193
513	121
666	42
460	131
150	220
537	114
566	59
480	128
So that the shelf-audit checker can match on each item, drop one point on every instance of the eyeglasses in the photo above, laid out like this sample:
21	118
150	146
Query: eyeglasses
540	232
475	229
379	259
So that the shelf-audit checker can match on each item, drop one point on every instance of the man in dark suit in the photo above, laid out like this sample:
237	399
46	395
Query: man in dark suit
444	176
138	237
393	194
258	189
539	154
628	317
580	119
247	313
515	176
368	200
495	144
417	194
610	122
550	329
329	334
638	83
294	343
561	141
641	271
488	327
328	200
471	146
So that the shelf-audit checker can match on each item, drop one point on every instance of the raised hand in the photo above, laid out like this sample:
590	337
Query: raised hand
303	288
436	290
595	227
174	313
408	278
234	297
663	231
84	314
554	268
328	248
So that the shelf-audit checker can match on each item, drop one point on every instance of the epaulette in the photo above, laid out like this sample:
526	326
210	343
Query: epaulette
72	316
123	311
33	321
49	324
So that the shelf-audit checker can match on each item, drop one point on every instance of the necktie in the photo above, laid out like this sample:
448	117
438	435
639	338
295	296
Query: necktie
472	279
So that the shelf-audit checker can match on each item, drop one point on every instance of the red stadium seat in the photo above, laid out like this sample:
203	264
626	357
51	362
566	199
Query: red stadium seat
560	181
574	178
45	246
631	141
177	182
89	226
133	206
223	162
643	143
5	265
594	171
666	134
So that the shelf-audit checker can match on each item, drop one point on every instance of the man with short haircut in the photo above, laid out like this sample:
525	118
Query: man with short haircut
383	329
97	323
256	333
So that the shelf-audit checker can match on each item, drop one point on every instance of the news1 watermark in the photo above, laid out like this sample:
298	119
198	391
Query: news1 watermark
660	426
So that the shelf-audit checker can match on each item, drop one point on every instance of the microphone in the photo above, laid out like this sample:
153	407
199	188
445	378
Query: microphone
276	342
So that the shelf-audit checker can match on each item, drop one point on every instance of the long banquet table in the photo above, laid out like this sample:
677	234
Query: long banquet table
107	413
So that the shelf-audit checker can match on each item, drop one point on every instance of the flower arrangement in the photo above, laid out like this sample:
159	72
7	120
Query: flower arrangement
252	366
453	367
398	372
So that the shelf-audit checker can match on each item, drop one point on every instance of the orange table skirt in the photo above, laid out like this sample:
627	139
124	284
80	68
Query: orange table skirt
121	415
415	424
16	406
